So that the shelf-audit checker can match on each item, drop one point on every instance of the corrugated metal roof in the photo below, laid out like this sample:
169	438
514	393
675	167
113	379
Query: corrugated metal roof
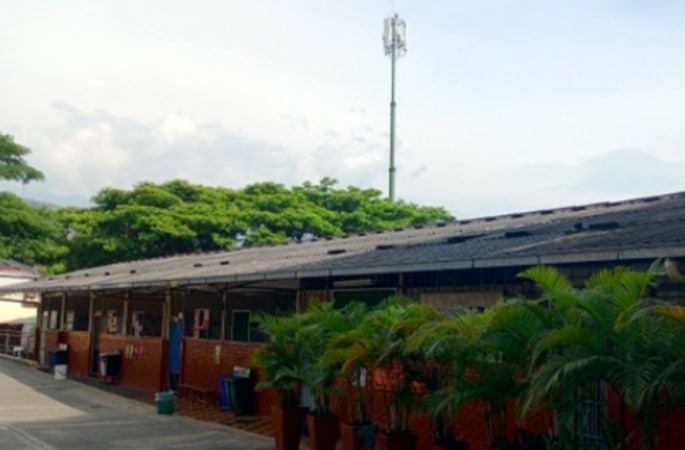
640	228
11	268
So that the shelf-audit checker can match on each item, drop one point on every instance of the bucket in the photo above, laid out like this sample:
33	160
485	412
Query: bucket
61	371
165	403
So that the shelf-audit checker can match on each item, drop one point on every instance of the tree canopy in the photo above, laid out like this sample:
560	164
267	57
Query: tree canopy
31	235
154	220
12	164
175	217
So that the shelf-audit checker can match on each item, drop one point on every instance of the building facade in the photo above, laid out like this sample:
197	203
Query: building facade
189	319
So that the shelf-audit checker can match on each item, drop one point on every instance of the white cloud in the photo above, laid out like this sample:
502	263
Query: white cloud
501	106
88	155
177	126
90	151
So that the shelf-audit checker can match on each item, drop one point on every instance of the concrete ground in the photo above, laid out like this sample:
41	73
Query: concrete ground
39	412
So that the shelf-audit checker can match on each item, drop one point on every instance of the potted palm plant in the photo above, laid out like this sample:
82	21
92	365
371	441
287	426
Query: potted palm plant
447	348
348	350
606	335
398	366
320	323
282	363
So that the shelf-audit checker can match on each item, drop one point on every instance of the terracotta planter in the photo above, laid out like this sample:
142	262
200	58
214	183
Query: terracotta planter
352	436
396	441
287	427
323	432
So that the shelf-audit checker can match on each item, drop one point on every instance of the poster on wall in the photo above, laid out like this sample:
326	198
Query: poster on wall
137	318
201	323
112	321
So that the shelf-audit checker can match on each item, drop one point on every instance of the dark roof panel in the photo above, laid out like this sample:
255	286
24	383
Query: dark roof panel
647	227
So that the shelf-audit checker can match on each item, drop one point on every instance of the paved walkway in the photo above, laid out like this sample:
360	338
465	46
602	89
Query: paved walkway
189	407
39	412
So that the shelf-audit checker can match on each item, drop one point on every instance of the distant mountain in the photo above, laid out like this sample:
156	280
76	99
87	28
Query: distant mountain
39	204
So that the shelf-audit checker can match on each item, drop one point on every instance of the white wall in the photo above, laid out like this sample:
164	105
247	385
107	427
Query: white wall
12	311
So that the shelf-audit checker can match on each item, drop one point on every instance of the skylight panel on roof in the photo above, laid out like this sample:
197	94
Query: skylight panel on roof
462	238
603	226
516	234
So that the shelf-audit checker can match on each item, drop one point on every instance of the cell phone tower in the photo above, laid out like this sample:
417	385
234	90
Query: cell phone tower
395	43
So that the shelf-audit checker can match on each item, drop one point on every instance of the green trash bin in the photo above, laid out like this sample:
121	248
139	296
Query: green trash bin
241	397
165	403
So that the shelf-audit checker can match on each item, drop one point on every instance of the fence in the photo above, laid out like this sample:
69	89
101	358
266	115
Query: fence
16	340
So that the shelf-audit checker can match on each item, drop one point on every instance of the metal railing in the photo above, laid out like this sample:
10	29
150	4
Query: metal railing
17	343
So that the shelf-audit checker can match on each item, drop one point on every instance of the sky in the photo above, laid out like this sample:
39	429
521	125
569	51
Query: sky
502	105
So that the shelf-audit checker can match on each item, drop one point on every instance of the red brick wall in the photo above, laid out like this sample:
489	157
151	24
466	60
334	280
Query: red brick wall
145	370
141	360
670	431
79	352
470	424
199	366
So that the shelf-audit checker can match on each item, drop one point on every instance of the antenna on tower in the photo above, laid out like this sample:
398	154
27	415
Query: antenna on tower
395	44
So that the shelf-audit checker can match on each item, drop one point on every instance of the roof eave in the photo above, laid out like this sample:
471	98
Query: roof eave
615	255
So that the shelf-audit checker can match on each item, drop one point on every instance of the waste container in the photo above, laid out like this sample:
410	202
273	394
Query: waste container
165	402
58	359
223	391
61	371
57	356
239	389
110	365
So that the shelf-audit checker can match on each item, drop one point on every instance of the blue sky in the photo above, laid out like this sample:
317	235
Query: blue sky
503	106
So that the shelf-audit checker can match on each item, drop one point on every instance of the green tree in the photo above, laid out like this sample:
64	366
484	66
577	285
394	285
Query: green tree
32	235
154	220
12	163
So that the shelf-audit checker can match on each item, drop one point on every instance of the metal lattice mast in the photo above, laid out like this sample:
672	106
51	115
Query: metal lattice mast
395	43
